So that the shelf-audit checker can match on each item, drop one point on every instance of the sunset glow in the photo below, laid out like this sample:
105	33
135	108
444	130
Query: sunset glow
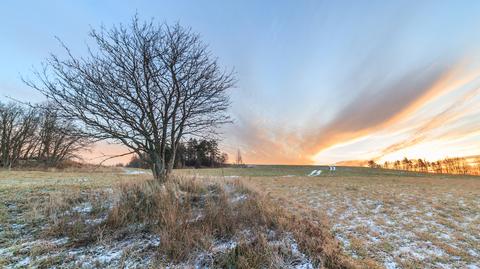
394	80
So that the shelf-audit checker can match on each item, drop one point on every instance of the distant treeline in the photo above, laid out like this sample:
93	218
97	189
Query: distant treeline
464	166
37	136
193	153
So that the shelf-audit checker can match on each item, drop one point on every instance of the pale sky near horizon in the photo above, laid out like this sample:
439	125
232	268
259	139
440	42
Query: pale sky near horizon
318	81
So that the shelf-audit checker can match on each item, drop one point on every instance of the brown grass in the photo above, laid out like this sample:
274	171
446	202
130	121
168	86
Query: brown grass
191	216
382	218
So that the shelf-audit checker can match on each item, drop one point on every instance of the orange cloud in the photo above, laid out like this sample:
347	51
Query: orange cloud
421	133
376	108
260	144
381	107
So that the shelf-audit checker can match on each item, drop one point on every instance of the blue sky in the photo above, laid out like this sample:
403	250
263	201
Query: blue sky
319	81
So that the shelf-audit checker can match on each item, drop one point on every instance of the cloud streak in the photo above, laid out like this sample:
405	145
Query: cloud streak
376	107
380	106
423	132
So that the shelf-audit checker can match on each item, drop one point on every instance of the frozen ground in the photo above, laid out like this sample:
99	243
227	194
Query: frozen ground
399	222
398	219
26	240
129	171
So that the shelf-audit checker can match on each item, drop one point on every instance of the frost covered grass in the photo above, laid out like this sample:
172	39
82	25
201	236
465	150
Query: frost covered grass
394	219
265	216
113	219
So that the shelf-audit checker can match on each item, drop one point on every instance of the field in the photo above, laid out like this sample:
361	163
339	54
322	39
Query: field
381	218
400	219
120	218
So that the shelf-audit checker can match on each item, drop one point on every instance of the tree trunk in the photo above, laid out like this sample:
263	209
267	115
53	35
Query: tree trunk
158	168
171	162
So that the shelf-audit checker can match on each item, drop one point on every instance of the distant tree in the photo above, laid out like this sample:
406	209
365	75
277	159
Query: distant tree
213	153
386	165
239	161
17	129
181	156
372	164
199	153
407	164
422	166
139	161
145	86
223	159
191	153
448	165
396	164
58	139
36	134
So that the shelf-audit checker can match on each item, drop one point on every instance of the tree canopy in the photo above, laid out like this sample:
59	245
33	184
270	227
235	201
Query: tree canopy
145	85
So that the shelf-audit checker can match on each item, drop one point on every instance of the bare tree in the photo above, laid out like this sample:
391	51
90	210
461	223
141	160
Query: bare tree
17	128
372	164
239	161
36	134
145	86
57	138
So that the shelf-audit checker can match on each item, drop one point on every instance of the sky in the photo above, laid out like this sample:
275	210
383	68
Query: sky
318	81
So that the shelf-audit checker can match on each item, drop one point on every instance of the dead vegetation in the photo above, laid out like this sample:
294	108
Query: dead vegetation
118	218
397	222
184	223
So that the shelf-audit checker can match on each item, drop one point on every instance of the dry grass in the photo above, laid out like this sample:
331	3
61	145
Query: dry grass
190	216
242	220
402	221
52	218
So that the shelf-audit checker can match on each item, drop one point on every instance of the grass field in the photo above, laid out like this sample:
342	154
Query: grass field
381	218
120	218
400	219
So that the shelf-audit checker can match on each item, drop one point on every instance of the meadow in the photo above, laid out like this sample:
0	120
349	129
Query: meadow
121	218
261	216
399	219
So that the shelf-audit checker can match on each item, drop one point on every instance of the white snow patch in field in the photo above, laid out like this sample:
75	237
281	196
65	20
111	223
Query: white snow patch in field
108	257
305	263
239	198
84	208
473	253
95	221
23	262
389	264
223	247
315	173
60	241
17	226
133	172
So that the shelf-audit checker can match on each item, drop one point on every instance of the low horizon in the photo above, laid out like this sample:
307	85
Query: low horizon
240	134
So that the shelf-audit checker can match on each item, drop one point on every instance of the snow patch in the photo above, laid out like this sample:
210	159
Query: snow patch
239	198
133	172
84	208
315	173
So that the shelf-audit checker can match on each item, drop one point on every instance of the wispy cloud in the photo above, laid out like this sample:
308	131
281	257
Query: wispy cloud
424	131
377	107
267	145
